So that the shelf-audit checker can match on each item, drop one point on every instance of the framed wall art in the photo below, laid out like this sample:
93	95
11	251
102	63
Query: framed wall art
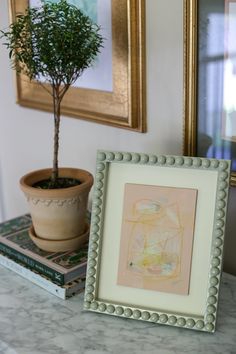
156	241
113	91
210	119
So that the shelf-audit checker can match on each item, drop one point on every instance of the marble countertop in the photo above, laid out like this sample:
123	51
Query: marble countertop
32	321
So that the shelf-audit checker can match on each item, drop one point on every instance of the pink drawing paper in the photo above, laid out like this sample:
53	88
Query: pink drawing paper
157	238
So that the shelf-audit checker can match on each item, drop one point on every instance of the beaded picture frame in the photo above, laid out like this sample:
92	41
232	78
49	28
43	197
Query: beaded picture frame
156	238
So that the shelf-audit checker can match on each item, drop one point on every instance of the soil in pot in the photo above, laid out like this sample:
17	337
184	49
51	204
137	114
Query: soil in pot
61	182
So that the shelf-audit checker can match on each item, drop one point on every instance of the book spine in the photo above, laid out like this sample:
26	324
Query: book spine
33	264
34	277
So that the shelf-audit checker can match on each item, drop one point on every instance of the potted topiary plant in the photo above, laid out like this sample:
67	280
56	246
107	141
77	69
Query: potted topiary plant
54	44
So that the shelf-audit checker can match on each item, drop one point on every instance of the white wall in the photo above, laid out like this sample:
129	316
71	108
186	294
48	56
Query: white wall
26	135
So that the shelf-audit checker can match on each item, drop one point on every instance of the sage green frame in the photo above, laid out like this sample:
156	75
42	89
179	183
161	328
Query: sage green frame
205	323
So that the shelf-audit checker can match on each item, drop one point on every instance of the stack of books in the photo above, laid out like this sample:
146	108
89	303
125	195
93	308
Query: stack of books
62	274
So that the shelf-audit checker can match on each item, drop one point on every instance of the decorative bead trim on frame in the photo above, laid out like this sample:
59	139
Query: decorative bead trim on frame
223	168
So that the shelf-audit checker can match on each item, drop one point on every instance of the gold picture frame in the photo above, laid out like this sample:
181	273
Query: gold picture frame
190	76
125	105
205	65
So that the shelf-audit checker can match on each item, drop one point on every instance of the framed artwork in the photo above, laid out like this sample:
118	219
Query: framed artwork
156	241
210	119
113	91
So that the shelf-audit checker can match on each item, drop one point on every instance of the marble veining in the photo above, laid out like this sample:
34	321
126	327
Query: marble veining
32	321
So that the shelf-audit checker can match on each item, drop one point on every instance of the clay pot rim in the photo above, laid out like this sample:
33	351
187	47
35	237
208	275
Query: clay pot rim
32	177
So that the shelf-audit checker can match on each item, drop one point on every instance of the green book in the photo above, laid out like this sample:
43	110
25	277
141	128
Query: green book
61	268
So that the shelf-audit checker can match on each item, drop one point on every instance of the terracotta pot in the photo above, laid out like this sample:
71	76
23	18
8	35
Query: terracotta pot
58	214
